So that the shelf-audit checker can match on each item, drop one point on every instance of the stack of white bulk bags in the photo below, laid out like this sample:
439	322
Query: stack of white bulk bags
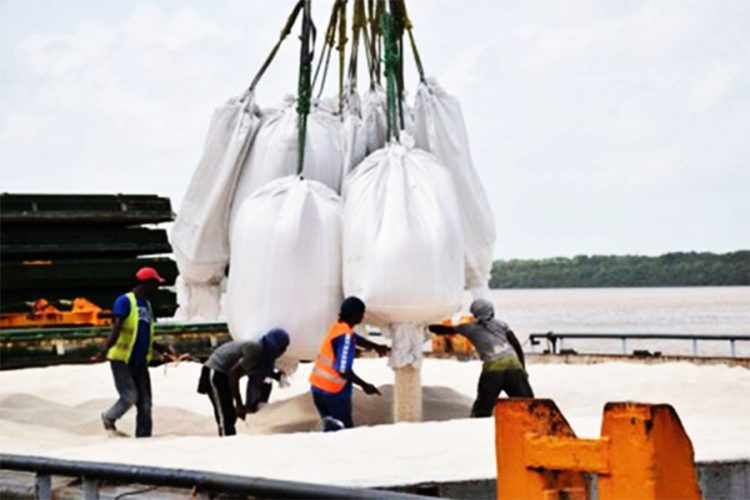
286	263
440	129
403	245
200	235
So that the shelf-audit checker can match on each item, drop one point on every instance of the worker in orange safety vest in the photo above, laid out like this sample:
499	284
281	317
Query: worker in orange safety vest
332	376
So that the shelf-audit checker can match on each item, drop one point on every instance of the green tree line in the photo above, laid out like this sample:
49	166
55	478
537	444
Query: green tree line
671	269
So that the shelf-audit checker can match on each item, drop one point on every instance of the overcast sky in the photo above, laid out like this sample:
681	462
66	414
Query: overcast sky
597	127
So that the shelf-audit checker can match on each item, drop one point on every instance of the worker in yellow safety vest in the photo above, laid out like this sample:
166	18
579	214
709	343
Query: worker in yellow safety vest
129	349
332	376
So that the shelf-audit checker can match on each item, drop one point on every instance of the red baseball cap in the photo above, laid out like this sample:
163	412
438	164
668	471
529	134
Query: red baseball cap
148	273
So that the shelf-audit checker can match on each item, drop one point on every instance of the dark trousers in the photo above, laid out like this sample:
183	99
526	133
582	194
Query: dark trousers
336	411
216	385
515	383
133	384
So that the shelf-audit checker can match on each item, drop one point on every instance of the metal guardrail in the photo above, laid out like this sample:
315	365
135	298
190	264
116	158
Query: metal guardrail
552	339
92	473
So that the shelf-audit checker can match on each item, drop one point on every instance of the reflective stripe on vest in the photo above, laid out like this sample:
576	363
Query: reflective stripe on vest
324	376
123	348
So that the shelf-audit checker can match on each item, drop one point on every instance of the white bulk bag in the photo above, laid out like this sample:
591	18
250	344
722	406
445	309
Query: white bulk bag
403	246
354	137
274	150
286	264
440	129
200	235
375	118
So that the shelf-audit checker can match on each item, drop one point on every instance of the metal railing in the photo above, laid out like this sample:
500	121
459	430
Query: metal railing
93	473
553	338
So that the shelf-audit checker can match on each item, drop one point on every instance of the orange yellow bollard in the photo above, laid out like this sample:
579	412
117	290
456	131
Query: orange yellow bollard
643	453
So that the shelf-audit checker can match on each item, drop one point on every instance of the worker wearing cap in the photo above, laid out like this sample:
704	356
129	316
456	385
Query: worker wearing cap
504	367
332	376
129	349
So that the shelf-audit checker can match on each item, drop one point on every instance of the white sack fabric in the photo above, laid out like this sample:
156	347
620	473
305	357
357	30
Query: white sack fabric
198	301
286	264
354	137
403	246
274	151
440	129
375	118
200	235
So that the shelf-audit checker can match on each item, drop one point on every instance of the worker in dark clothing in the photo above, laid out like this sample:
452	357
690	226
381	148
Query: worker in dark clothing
504	367
129	349
230	362
332	376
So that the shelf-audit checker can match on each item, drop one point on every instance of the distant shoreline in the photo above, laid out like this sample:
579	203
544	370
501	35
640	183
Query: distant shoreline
676	269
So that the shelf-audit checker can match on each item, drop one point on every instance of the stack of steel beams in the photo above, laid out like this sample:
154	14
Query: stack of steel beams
59	247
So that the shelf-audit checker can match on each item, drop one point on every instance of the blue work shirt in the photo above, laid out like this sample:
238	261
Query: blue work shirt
121	309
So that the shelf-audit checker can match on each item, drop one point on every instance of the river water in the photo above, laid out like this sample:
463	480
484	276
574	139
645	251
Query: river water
697	310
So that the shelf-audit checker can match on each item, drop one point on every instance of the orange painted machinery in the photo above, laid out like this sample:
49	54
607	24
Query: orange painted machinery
43	314
643	453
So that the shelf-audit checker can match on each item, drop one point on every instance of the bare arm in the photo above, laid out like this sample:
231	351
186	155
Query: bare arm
234	376
381	349
366	386
165	349
517	347
442	329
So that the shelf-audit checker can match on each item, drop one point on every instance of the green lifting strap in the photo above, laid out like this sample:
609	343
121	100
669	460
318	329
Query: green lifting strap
307	48
391	62
397	15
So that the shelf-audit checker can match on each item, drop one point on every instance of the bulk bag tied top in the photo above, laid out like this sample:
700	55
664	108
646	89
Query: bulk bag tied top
440	129
200	235
286	264
403	246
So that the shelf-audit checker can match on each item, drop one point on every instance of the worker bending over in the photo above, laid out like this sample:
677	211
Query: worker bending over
233	360
504	367
332	376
